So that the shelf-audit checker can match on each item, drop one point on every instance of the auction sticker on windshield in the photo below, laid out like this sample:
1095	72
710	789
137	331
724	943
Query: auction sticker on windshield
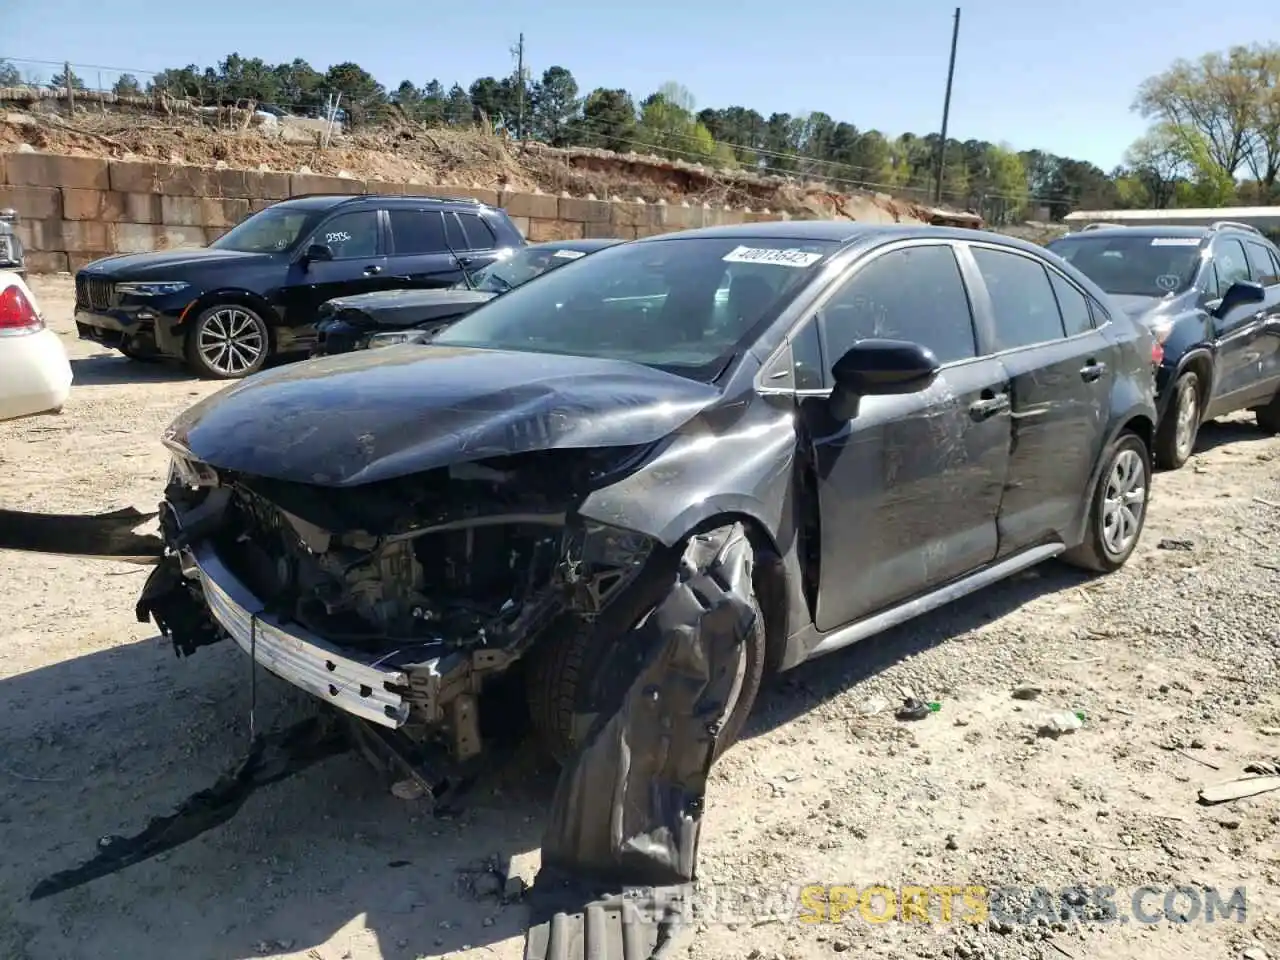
1176	242
781	258
568	254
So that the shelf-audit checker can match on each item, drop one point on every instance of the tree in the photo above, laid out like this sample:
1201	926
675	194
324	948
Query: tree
1157	161
1214	97
362	97
608	121
59	81
555	106
668	126
458	109
299	86
126	85
9	75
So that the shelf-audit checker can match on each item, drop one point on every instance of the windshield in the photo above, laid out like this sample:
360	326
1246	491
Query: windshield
521	267
1135	266
269	231
685	305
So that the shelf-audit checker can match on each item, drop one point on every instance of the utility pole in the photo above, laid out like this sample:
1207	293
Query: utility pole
946	111
519	52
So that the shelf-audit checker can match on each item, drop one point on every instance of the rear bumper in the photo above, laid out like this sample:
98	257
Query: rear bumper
35	374
360	686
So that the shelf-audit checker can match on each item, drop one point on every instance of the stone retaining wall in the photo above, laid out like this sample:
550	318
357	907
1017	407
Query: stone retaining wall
76	209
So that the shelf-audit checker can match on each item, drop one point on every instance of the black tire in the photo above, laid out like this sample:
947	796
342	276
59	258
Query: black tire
1268	417
247	347
560	669
131	354
1176	438
1100	552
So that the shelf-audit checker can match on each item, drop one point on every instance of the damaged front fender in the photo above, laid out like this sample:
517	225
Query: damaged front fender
108	536
628	807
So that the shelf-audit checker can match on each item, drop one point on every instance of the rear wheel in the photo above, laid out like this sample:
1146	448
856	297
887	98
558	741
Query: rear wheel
227	341
1176	438
1269	416
1118	508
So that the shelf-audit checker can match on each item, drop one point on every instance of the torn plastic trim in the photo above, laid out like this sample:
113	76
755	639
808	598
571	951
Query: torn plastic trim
362	687
108	536
651	744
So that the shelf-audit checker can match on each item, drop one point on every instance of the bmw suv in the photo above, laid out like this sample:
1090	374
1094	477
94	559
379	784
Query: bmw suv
255	291
1211	296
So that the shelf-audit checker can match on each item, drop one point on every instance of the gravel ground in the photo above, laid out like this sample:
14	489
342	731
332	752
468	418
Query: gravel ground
1173	662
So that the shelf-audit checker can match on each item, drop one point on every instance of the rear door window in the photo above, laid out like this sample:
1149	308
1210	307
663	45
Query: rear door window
478	233
1073	306
417	232
1022	299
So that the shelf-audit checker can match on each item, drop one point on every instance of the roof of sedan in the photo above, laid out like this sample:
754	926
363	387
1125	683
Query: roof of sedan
839	231
595	243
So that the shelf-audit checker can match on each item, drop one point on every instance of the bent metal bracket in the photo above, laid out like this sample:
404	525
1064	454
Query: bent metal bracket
613	871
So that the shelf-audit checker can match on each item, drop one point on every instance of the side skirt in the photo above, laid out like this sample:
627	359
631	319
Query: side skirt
910	609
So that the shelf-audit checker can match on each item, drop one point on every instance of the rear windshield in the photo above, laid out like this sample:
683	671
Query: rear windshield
1143	266
686	305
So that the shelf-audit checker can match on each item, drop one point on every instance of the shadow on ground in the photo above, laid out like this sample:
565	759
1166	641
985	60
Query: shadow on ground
114	369
98	745
1222	433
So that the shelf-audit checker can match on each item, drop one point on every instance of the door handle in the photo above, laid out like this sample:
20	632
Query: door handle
989	405
466	261
1092	370
372	270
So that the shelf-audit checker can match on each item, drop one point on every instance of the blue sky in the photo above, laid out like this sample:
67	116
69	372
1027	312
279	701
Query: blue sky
1057	76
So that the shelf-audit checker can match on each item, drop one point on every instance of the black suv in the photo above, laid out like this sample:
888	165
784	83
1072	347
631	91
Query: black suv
1211	296
371	320
255	291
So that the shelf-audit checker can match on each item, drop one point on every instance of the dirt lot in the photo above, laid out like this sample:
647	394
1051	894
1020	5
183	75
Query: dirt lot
1174	663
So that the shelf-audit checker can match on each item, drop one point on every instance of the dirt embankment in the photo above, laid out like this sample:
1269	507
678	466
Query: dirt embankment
413	154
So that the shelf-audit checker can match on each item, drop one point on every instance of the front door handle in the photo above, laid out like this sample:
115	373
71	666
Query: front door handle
466	261
989	405
1092	371
372	270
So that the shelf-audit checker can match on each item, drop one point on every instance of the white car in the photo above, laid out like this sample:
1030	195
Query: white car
35	375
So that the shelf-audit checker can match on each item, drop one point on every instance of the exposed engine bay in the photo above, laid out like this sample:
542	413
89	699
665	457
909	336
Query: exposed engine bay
448	576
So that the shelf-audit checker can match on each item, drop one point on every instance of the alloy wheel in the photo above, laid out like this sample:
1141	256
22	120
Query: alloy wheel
1123	502
1188	412
231	341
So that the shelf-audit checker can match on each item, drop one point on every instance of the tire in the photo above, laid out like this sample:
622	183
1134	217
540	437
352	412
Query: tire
561	669
138	357
242	334
1101	551
1268	417
1176	438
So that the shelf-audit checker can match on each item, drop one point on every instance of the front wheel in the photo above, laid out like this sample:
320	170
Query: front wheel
1118	508
227	342
1176	438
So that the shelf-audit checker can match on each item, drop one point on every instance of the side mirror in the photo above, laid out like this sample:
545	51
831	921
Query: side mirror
1238	294
880	368
316	252
9	215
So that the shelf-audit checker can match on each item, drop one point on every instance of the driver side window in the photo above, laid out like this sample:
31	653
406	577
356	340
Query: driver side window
351	235
1232	265
914	293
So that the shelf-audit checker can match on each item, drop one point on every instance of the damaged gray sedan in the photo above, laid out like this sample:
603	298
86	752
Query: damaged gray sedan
626	491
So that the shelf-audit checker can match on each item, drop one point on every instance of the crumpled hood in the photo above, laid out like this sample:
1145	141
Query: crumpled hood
373	415
402	308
